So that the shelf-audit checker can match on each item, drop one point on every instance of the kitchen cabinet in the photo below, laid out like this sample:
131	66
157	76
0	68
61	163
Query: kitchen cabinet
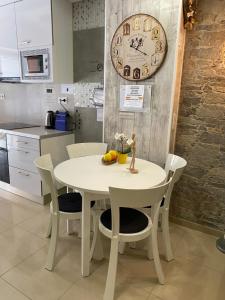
9	55
6	2
34	23
22	151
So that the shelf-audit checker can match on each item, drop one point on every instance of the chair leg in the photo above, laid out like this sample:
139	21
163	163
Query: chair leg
111	276
69	226
122	247
132	245
53	243
166	236
156	257
49	231
95	234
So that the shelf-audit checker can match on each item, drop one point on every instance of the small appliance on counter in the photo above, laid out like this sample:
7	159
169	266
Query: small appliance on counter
62	121
50	120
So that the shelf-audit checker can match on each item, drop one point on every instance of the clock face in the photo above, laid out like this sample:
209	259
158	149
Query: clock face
138	47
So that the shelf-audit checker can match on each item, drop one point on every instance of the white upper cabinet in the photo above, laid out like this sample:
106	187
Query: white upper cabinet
8	38
9	58
5	2
34	23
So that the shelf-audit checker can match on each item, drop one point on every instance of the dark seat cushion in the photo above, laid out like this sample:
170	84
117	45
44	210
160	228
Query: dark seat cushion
71	202
131	220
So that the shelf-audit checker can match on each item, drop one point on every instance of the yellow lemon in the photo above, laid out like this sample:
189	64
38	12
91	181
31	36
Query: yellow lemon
107	157
114	154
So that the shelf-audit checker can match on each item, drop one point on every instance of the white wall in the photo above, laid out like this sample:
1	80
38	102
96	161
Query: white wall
89	14
153	126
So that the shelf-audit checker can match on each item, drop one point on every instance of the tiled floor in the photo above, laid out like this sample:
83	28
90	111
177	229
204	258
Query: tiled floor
197	273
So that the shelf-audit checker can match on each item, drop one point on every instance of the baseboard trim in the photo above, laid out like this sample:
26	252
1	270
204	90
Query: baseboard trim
195	226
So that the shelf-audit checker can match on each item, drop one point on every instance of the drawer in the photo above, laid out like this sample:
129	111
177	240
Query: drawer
25	181
22	158
17	141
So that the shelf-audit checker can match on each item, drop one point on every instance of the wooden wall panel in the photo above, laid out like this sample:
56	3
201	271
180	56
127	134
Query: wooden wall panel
152	126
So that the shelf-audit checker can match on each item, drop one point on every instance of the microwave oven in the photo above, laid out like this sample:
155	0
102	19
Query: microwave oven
36	64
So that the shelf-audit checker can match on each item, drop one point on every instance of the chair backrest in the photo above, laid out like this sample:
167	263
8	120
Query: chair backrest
85	149
176	165
45	169
136	199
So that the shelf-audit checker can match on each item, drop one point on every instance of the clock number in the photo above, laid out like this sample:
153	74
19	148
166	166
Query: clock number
126	71
119	63
136	23
155	33
137	73
126	29
147	25
119	40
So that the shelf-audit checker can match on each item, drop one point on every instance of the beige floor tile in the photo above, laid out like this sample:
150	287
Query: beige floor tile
7	292
197	247
187	280
20	201
33	280
92	288
4	225
38	225
17	244
136	278
14	214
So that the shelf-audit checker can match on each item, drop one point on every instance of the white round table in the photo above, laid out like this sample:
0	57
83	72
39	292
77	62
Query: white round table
88	175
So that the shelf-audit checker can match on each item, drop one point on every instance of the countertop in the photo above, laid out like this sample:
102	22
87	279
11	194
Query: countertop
37	132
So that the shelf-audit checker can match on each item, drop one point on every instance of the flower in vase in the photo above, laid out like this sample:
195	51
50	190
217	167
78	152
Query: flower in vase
123	146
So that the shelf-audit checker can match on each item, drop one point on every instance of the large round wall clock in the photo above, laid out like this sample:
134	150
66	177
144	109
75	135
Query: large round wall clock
138	47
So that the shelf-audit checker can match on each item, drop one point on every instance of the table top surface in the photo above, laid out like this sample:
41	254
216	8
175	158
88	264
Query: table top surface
89	174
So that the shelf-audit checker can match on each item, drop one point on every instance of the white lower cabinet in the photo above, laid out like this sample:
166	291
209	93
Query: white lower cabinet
22	158
25	181
22	151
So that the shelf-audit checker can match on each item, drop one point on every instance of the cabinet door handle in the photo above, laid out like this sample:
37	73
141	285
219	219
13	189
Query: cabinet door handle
24	174
25	143
26	152
26	42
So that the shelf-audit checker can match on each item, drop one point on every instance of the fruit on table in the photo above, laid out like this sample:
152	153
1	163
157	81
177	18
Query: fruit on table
107	157
110	156
114	154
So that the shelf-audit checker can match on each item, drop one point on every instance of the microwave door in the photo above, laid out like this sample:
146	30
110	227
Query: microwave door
36	65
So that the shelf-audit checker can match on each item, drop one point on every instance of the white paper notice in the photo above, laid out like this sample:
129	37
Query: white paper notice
134	96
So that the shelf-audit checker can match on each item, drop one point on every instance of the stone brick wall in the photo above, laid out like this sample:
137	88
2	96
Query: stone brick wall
200	195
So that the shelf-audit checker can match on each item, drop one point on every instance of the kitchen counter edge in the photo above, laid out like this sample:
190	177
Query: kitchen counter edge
37	132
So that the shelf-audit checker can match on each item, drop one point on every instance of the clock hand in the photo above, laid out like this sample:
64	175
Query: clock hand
141	51
138	50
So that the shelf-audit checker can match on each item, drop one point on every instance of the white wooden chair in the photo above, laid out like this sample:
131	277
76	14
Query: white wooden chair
85	149
174	168
68	206
123	223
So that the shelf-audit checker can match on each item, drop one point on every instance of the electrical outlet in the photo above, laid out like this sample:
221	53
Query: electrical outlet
67	89
2	96
63	100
